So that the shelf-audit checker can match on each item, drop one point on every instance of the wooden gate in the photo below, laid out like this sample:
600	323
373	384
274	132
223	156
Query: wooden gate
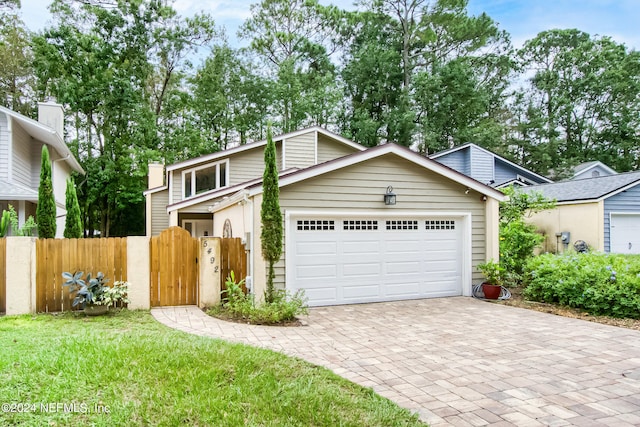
232	258
174	268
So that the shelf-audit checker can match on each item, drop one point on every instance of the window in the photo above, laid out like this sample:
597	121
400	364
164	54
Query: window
595	174
316	225
402	224
204	178
441	225
360	224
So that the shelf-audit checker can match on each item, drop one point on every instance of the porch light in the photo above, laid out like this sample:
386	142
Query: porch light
389	197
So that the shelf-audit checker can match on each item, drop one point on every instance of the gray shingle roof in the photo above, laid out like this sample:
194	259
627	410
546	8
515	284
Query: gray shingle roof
586	189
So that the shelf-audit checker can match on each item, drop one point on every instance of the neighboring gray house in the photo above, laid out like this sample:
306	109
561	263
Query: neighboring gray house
487	167
604	212
21	141
592	170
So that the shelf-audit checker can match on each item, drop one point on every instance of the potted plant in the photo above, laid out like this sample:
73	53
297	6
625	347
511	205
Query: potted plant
495	275
93	294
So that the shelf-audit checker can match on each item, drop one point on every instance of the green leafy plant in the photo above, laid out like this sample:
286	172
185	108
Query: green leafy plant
239	306
5	221
601	284
12	218
494	272
46	210
94	290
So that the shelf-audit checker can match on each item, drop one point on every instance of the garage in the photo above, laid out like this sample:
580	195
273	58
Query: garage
625	233
358	259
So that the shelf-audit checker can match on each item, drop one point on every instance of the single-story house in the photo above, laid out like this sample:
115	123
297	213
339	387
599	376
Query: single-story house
604	212
344	241
487	167
21	141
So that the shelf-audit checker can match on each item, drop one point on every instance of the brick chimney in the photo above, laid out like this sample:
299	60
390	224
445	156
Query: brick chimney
156	175
52	115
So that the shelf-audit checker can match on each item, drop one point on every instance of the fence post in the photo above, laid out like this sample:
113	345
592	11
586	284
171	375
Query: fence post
138	272
209	271
20	275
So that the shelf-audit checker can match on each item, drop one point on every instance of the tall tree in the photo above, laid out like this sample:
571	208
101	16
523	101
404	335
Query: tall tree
16	73
295	40
46	210
582	102
73	223
270	214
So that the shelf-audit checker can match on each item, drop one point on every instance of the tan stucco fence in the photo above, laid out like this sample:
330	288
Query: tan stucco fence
21	269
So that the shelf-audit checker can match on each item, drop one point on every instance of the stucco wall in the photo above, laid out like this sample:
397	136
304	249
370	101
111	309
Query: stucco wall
584	221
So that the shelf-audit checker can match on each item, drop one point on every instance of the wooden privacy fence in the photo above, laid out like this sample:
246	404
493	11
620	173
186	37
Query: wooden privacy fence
232	258
55	256
174	268
3	275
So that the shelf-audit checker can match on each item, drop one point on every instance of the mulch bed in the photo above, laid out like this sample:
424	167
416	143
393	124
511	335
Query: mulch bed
517	300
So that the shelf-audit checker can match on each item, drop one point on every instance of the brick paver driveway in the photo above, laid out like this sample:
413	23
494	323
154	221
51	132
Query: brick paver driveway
460	361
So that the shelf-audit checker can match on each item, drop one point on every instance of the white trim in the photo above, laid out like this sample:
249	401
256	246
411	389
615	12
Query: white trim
284	155
258	144
465	217
381	150
315	160
170	181
10	148
154	190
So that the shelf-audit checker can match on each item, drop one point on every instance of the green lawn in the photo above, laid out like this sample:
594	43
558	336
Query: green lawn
143	373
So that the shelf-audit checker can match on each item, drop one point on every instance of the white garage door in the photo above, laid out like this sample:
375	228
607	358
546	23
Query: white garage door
625	233
356	260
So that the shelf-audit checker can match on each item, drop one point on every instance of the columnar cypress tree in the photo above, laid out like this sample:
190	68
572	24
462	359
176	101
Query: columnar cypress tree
46	211
73	223
271	216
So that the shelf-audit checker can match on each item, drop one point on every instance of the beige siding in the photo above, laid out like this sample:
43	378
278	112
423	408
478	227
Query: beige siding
176	182
21	163
361	188
328	149
159	217
300	151
4	147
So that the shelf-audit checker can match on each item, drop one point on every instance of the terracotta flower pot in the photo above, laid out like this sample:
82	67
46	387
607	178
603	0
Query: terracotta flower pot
491	291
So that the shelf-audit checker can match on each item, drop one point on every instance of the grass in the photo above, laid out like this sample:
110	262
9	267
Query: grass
144	373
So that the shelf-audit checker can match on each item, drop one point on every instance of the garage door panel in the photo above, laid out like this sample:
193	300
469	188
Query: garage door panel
362	291
326	271
377	260
403	290
625	233
317	247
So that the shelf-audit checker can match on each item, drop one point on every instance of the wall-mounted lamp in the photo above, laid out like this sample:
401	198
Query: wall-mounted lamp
389	197
467	190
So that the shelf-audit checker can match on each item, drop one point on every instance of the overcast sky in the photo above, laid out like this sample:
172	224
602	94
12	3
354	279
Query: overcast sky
523	19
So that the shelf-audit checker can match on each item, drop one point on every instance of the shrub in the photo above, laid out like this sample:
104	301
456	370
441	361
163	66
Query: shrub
239	306
601	284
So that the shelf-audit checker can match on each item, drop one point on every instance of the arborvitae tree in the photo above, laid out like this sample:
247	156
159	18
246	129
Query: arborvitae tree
73	223
46	211
271	216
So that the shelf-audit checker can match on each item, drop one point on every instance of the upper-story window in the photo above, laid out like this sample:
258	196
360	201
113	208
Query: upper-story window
204	178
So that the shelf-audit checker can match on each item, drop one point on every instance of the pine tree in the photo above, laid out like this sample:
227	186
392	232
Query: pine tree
271	216
73	223
46	211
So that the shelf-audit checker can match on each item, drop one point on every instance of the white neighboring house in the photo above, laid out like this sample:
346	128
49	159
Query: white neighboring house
21	141
593	169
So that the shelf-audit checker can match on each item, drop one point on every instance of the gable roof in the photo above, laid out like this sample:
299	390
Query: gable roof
584	167
262	143
381	150
588	189
495	156
45	134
